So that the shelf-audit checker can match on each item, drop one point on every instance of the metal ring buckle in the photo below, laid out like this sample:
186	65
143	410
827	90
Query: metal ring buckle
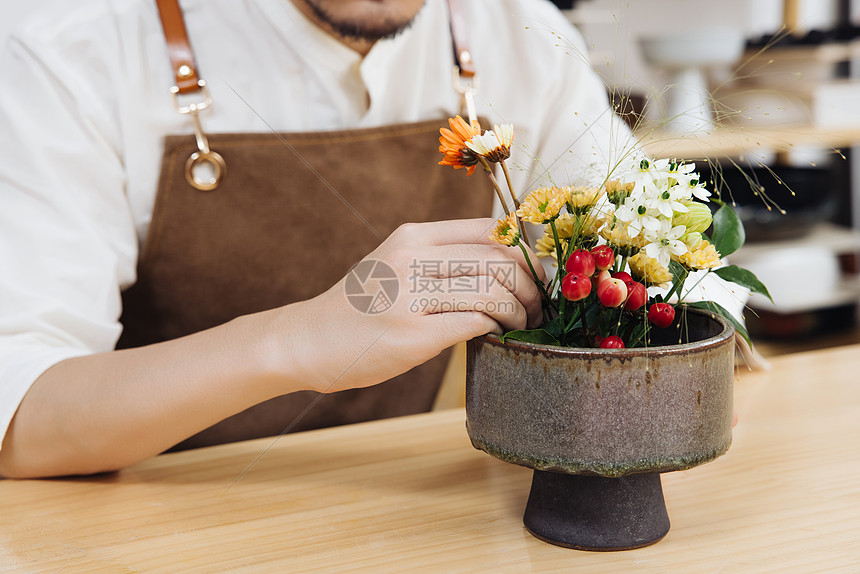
212	158
204	154
193	107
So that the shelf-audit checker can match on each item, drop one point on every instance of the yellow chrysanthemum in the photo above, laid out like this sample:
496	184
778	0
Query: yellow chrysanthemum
545	246
615	233
591	225
505	232
581	225
565	225
583	198
542	205
617	192
705	256
649	271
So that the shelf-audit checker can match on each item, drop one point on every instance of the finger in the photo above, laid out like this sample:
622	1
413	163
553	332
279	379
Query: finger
456	263
444	232
453	328
491	299
458	231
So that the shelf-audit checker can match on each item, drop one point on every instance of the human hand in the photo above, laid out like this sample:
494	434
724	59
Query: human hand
453	284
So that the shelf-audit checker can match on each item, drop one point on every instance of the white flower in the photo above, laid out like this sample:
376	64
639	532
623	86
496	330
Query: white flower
665	242
641	175
689	179
505	134
669	201
483	144
489	145
637	217
698	190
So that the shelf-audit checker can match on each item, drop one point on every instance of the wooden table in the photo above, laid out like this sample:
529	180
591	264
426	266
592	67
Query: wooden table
412	495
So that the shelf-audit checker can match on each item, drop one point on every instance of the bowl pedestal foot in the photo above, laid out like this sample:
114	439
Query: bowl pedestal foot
596	513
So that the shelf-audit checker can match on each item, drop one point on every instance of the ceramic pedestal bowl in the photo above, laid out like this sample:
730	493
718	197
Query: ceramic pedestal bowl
600	425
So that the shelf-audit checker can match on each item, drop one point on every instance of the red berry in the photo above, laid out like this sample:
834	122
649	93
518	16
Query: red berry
580	261
603	276
637	295
575	286
623	275
604	257
612	342
612	292
661	315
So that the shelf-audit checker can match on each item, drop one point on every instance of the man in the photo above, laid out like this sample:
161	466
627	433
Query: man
84	114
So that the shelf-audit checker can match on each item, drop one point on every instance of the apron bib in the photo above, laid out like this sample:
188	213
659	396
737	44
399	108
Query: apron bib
274	232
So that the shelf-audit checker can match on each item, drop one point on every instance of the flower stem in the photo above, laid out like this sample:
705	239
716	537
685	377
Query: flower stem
538	282
559	255
496	186
514	197
677	286
644	335
620	314
584	321
560	258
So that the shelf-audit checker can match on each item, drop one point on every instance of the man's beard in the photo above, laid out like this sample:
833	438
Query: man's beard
377	29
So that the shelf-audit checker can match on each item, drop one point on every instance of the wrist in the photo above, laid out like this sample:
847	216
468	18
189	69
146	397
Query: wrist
286	349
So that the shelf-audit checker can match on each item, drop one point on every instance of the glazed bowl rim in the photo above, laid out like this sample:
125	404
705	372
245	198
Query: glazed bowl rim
720	338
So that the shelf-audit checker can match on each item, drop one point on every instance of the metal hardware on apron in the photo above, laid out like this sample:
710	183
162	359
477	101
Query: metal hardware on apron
241	248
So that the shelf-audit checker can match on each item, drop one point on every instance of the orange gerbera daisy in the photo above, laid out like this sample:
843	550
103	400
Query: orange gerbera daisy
452	143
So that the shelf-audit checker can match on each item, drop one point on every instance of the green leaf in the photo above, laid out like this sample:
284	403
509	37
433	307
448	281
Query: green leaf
720	310
538	336
569	322
679	272
729	233
744	278
554	327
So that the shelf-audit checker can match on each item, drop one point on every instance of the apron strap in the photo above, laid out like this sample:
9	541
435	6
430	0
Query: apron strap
464	78
178	46
188	81
460	37
185	70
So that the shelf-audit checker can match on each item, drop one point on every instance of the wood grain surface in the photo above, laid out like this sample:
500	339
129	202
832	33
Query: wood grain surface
411	494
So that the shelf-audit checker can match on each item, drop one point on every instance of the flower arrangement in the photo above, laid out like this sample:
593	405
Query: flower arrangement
627	252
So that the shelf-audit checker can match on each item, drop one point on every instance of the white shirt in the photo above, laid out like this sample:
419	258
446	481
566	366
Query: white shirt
84	108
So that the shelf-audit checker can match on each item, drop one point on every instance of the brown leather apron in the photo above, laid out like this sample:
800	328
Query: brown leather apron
285	224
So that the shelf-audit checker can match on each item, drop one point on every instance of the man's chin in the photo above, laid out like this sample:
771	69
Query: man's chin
367	20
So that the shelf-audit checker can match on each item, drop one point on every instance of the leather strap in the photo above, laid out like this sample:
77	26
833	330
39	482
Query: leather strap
460	37
178	46
185	69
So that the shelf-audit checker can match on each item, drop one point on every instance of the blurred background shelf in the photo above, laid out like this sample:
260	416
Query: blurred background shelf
726	142
838	239
785	136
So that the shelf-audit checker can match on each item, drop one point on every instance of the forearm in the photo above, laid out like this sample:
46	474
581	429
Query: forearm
106	411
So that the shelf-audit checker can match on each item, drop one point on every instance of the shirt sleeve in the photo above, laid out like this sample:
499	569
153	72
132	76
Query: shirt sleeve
67	238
